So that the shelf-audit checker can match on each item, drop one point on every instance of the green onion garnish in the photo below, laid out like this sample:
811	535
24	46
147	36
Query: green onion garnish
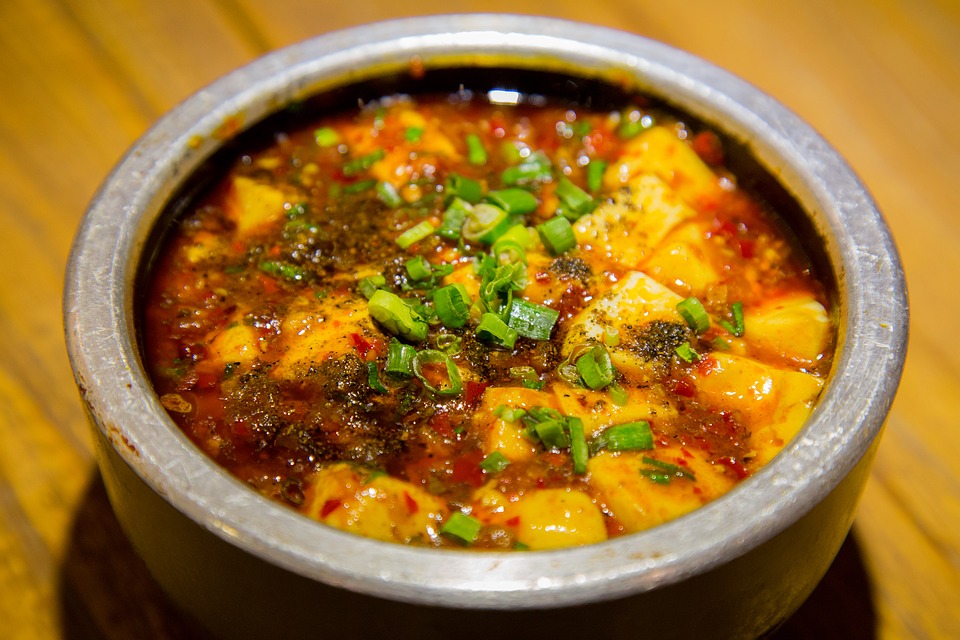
495	462
618	394
595	172
355	166
551	433
493	329
369	285
373	378
633	123
360	186
466	189
396	316
399	359
557	235
454	383
595	368
415	234
735	328
452	304
574	200
630	436
476	154
515	201
686	352
418	268
413	134
453	219
485	223
388	195
326	137
578	445
694	314
464	528
528	377
531	320
535	168
662	472
283	269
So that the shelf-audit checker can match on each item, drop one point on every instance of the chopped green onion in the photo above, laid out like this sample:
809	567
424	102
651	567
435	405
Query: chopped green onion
578	446
694	314
413	134
514	200
495	462
396	316
618	394
633	123
531	320
521	234
557	235
415	234
551	433
454	384
360	186
388	195
535	168
452	304
611	336
493	329
595	175
369	285
662	472
509	414
418	268
453	219
736	328
476	154
326	137
595	368
630	436
373	378
297	210
466	189
485	223
399	359
686	352
464	528
507	251
721	344
528	377
282	269
448	343
576	202
356	165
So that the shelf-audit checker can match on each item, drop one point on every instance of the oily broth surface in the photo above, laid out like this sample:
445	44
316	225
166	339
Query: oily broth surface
260	342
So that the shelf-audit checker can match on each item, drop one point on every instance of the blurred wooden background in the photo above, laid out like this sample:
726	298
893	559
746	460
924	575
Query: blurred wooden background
81	79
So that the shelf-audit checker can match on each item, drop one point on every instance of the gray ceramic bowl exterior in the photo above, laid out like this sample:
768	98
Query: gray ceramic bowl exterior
247	567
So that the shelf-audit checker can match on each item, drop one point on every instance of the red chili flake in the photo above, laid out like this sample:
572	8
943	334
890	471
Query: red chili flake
412	505
440	423
747	247
686	453
542	277
467	469
473	390
329	507
697	490
684	387
361	345
708	146
269	284
512	522
707	365
735	466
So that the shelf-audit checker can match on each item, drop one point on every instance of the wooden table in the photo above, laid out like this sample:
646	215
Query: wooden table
81	79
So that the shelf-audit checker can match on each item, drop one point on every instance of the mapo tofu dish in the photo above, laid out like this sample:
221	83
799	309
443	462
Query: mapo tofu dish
488	321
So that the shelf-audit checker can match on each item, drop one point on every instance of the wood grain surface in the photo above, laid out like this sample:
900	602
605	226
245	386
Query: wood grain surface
81	79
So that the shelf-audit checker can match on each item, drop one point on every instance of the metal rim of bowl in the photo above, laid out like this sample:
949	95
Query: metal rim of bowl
100	327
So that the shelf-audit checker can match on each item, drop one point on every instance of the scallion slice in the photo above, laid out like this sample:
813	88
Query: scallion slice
495	462
452	304
692	311
535	168
476	154
493	329
736	327
373	378
466	189
485	223
528	377
396	316
551	433
630	436
454	383
369	285
595	175
415	234
326	137
515	201
557	235
418	268
578	445
399	359
413	134
464	528
531	320
595	368
453	219
575	201
356	165
686	352
388	195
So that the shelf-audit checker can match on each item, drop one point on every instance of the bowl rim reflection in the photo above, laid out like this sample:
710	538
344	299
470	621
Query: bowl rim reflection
99	308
